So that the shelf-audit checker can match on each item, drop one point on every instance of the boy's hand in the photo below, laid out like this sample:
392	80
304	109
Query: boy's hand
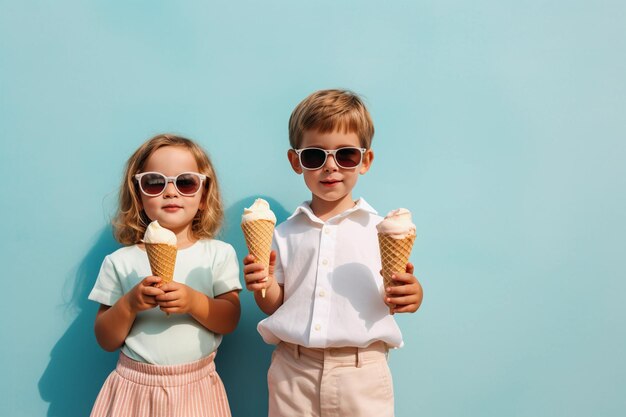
406	296
177	298
142	296
256	275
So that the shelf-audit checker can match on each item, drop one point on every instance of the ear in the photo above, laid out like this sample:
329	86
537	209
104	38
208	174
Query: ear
294	161
368	158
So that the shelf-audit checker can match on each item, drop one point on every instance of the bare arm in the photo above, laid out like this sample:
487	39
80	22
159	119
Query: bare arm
257	278
114	322
220	314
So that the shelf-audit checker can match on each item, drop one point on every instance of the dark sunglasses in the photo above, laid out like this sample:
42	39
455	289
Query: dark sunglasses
315	158
153	184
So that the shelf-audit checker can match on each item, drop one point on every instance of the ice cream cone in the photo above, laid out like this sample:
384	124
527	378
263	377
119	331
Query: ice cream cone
162	259
258	235
394	255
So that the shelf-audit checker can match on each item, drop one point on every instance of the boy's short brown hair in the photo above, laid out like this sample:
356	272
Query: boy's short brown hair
327	111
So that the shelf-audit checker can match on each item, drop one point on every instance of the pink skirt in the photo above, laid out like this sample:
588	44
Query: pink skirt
144	390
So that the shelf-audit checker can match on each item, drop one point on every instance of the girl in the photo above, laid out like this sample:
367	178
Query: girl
166	363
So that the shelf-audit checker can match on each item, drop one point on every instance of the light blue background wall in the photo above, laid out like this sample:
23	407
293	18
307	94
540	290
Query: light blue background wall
501	124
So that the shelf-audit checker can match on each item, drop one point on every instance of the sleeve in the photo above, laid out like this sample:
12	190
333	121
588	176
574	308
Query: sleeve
107	289
226	272
279	273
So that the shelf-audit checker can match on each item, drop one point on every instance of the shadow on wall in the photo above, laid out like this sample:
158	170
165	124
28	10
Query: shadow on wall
78	366
243	358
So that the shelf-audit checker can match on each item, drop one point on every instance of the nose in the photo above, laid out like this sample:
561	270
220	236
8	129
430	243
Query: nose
170	190
330	165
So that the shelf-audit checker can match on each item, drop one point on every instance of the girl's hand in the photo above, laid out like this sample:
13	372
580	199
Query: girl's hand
177	298
407	295
257	277
113	323
142	296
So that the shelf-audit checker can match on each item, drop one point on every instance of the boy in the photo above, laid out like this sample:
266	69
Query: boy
327	315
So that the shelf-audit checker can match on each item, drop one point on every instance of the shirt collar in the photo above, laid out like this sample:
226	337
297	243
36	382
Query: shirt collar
361	205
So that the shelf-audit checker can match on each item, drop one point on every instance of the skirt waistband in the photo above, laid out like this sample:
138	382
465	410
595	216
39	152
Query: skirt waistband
164	375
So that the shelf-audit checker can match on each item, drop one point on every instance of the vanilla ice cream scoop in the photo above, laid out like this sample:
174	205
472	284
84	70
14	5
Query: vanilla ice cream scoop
397	224
155	233
259	210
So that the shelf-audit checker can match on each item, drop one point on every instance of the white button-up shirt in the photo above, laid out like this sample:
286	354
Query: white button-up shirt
333	291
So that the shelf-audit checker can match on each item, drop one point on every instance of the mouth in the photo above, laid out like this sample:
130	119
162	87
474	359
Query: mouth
170	208
330	182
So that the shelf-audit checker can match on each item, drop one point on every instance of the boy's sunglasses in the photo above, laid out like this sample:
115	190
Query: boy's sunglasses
315	158
153	184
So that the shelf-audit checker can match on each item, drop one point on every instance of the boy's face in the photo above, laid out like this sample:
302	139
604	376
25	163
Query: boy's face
331	185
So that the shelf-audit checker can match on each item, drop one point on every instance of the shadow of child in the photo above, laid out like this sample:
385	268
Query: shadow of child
78	366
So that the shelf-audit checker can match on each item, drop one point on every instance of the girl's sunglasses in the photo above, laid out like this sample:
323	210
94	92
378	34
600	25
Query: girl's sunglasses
315	158
153	184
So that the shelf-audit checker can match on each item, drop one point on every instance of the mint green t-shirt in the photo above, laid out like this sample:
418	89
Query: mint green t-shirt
208	266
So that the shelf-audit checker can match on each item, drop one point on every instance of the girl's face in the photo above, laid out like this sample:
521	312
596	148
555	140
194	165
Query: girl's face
173	210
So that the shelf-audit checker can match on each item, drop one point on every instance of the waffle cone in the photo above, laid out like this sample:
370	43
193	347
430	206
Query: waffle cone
258	235
162	259
394	255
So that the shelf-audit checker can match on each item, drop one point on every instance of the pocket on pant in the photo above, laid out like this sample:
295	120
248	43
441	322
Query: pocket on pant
386	379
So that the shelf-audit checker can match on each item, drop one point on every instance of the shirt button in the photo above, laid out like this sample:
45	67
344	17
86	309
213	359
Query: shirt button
325	262
327	231
322	293
318	327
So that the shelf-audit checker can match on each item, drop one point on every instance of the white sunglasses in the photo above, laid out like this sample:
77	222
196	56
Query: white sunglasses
153	184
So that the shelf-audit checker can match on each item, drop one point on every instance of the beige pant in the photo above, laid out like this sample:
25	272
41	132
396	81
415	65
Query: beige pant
333	382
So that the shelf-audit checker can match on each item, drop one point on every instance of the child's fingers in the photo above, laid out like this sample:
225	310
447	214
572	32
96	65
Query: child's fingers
409	268
150	301
410	308
162	297
249	259
254	287
172	303
151	291
253	268
272	262
401	289
170	306
169	296
258	285
401	301
167	303
150	280
171	310
404	278
256	276
171	286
